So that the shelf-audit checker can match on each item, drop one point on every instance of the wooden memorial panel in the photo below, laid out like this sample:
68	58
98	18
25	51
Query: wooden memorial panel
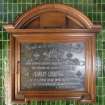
52	55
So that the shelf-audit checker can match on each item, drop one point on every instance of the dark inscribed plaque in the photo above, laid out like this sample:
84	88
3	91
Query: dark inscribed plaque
52	66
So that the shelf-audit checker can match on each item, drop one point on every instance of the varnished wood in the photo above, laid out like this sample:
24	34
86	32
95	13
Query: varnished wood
53	23
11	29
68	11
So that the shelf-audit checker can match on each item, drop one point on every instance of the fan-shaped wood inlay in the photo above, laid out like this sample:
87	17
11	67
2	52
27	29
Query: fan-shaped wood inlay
53	16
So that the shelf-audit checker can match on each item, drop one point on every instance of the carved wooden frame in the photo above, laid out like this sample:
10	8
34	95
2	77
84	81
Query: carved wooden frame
27	29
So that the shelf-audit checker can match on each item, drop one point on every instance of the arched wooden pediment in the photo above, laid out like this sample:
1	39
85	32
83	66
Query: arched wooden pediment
53	16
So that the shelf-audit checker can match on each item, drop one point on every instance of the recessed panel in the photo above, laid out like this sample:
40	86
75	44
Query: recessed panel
51	66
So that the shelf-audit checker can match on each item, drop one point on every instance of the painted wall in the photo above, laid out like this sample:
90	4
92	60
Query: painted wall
94	9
